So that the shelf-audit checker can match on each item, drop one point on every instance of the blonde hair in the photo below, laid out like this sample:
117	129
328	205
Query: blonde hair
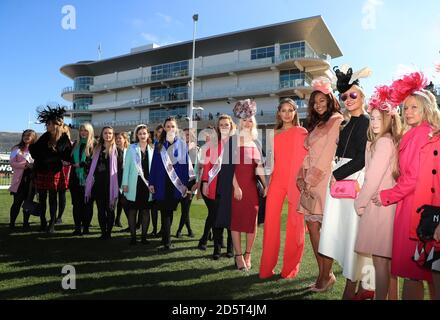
346	113
101	142
254	131
429	109
125	136
295	121
90	138
391	125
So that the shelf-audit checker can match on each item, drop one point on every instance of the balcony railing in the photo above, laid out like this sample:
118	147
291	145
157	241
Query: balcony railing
180	96
139	81
84	90
203	71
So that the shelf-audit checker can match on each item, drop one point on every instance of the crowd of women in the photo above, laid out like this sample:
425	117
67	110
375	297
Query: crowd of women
363	184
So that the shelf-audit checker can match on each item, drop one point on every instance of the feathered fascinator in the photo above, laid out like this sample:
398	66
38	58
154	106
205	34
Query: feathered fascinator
47	114
346	78
323	85
381	100
408	85
245	109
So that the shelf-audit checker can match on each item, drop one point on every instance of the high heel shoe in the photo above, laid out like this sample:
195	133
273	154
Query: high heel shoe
364	295
236	264
327	287
248	265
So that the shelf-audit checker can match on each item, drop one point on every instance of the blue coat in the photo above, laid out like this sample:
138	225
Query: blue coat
130	176
158	174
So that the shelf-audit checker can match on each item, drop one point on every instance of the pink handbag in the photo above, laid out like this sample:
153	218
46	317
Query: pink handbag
345	189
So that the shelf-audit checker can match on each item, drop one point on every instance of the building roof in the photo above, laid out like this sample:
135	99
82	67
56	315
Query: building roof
313	29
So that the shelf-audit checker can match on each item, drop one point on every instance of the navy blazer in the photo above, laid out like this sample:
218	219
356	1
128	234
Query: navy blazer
158	174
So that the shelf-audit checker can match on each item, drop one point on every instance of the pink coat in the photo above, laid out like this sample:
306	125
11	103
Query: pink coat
428	183
375	233
18	164
402	193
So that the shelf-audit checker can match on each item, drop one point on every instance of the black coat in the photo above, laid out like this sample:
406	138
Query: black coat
50	159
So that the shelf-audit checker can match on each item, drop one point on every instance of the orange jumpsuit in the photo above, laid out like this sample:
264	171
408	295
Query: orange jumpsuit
289	153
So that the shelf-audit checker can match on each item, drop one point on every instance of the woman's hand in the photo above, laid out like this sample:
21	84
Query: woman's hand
152	189
238	193
195	187
125	189
205	189
437	233
332	181
75	165
376	199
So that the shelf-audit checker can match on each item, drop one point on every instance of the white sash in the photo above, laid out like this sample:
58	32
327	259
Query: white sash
215	170
138	164
172	174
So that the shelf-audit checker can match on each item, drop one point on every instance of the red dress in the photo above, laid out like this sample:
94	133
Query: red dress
244	212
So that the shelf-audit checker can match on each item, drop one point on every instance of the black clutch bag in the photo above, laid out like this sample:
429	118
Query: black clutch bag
429	220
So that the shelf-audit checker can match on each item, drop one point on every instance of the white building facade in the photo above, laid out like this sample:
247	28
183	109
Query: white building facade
266	63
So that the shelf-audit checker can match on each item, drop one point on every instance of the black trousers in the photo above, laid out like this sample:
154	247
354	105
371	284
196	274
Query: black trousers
145	221
106	216
167	217
122	205
82	212
53	206
218	240
162	221
154	215
19	197
210	219
185	205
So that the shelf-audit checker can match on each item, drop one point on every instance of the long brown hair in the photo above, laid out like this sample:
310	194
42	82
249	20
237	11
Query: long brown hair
22	145
295	121
231	122
101	142
163	136
126	139
313	118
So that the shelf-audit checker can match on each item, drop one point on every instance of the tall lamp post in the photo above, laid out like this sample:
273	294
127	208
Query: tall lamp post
191	104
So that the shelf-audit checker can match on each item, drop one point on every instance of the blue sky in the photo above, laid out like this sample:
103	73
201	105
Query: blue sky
400	36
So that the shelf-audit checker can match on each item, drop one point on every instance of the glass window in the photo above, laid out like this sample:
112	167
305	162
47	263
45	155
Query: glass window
160	114
261	53
294	78
170	70
82	102
292	50
175	92
83	83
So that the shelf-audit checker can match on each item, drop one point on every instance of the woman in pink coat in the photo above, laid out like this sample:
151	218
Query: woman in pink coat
418	122
21	162
428	193
375	233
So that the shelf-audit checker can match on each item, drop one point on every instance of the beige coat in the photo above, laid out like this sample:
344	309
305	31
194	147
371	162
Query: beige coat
375	233
317	166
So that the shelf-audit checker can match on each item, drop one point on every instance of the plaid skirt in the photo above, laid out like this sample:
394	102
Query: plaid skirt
51	181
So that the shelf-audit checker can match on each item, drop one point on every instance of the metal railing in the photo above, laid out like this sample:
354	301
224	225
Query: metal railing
139	81
208	70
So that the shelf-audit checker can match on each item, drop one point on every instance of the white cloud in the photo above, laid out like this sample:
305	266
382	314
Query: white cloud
369	10
166	18
150	37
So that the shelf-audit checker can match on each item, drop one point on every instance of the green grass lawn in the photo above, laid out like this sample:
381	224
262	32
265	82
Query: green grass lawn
31	264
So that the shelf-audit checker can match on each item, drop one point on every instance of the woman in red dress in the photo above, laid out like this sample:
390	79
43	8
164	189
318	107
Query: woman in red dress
248	164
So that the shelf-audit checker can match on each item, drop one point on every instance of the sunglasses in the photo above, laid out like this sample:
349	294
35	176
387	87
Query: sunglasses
353	96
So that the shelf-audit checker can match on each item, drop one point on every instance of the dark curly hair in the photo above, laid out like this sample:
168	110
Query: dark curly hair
314	119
